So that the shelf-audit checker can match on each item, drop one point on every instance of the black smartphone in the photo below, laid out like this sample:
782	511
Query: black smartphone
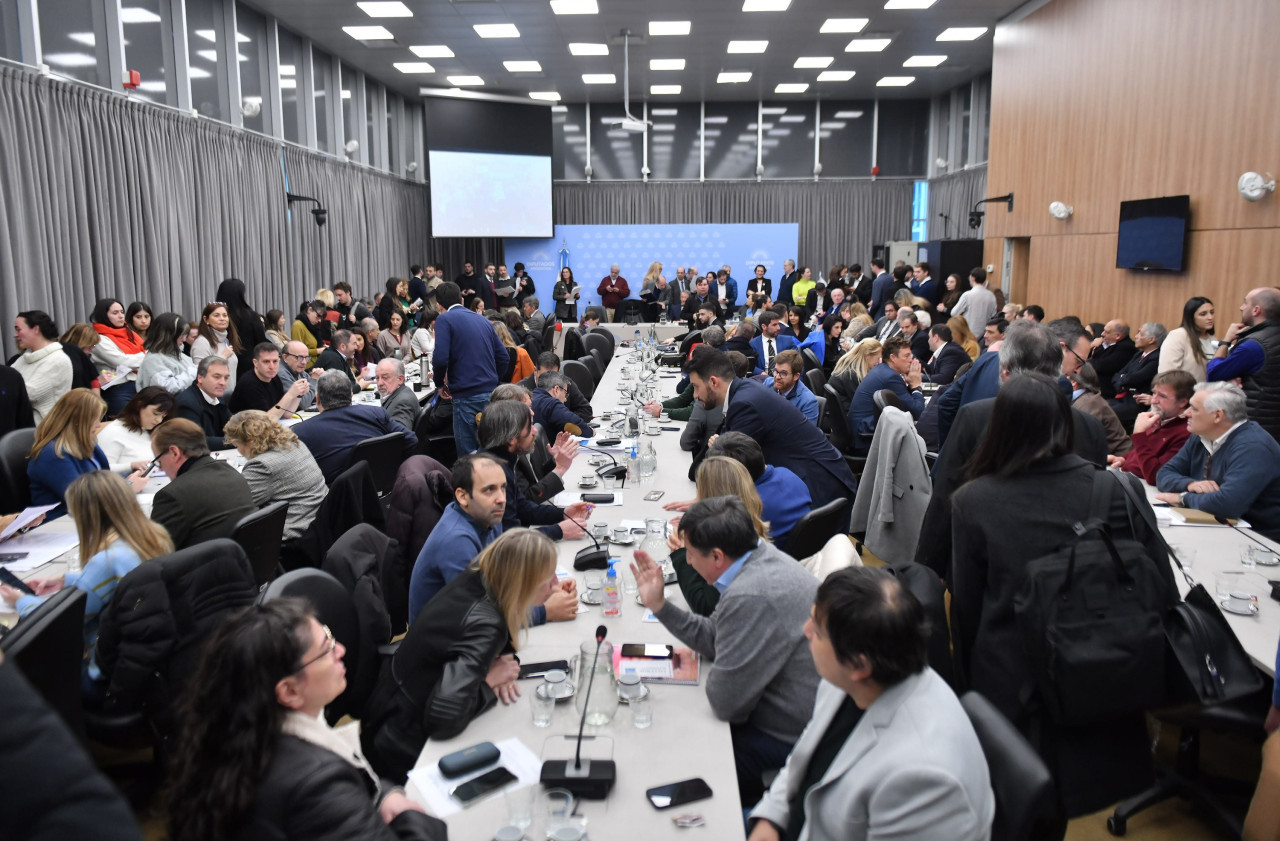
486	783
528	670
12	556
607	442
650	650
599	499
677	794
14	581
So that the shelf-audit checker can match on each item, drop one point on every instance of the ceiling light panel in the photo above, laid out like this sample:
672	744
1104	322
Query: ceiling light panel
413	67
588	49
924	61
599	79
792	118
465	81
547	96
813	62
663	112
895	81
666	64
867	45
522	66
575	7
664	90
791	88
844	25
668	27
394	9
835	75
432	51
136	14
962	33
733	78
848	115
288	70
748	46
765	5
369	33
909	4
716	121
496	30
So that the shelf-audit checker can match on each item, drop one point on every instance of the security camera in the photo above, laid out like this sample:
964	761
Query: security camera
975	218
321	216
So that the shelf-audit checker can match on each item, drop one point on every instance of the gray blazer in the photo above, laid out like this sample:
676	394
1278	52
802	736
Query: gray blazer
894	491
402	406
290	475
756	658
911	768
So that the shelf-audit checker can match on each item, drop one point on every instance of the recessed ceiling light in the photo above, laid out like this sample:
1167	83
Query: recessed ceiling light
288	84
668	27
432	51
711	133
814	62
835	75
545	96
711	121
522	66
779	132
589	49
848	115
773	110
924	61
575	7
844	25
867	45
599	79
380	9
662	126
733	78
835	124
895	81
660	90
464	81
666	64
152	87
208	55
201	73
962	33
909	4
413	67
136	14
792	118
346	94
288	70
664	112
496	30
792	88
208	34
765	5
84	38
70	59
368	33
241	38
748	46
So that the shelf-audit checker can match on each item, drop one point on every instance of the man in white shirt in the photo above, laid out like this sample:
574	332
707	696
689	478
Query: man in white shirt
978	305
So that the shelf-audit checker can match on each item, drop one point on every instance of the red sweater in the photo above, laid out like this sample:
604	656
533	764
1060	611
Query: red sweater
1154	447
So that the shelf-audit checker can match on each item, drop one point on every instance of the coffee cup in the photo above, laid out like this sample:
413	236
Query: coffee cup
587	480
600	530
651	427
621	533
664	416
1240	600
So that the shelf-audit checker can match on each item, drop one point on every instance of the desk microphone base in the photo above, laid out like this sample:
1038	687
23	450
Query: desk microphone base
593	557
592	781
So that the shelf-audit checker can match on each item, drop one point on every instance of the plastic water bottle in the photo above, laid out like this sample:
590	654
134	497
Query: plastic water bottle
637	344
633	461
612	598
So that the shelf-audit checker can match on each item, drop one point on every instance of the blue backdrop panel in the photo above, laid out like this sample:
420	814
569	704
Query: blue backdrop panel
590	249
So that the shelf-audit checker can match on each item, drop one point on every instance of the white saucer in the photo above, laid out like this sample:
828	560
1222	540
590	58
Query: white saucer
588	484
1251	610
615	541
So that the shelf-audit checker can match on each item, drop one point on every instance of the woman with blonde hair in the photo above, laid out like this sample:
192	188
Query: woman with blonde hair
852	368
65	447
78	343
116	536
458	658
520	365
650	284
278	467
963	336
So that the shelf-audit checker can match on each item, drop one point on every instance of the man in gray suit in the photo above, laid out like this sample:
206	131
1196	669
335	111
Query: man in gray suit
889	748
759	675
399	401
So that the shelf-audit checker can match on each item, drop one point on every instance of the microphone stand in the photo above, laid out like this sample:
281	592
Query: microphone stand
591	779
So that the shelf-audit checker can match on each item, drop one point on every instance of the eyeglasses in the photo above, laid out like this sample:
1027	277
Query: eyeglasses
330	646
284	355
1076	355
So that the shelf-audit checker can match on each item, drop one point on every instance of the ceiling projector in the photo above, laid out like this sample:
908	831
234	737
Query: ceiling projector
632	125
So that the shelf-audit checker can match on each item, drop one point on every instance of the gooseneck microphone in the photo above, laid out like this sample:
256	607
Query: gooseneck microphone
589	779
590	557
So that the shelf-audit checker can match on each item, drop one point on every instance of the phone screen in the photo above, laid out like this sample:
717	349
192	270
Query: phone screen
7	577
487	782
528	670
650	650
677	794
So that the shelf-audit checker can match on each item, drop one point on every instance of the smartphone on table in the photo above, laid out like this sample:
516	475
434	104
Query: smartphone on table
487	783
677	794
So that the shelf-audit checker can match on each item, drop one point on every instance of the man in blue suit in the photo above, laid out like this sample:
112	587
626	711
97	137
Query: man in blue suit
789	277
946	357
881	288
769	343
331	434
923	285
549	407
786	436
899	373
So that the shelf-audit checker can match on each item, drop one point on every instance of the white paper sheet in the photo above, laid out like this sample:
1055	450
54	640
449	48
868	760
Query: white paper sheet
25	519
567	498
41	547
514	755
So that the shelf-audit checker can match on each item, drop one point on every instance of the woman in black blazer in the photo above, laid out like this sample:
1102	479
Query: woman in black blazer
255	758
458	658
1027	489
760	283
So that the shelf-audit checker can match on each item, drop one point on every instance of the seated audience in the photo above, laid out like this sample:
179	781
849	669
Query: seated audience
1111	350
340	425
293	368
262	389
1230	466
916	336
46	371
850	371
539	474
340	356
577	402
946	357
740	338
1190	345
126	441
1085	397
396	340
399	401
205	498
787	381
534	320
458	657
784	497
164	364
78	342
1032	312
1159	434
274	322
423	342
759	675
202	403
1023	468
310	314
115	536
549	406
886	325
963	336
888	747
119	346
218	337
520	365
899	373
1130	387
64	448
255	758
278	468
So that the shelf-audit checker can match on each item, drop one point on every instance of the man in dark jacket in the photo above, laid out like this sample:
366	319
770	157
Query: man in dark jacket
337	357
202	404
549	409
205	498
340	426
741	342
15	406
468	359
947	356
577	401
1111	351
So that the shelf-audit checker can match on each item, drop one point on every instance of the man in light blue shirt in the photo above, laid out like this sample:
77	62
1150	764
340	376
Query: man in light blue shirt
787	369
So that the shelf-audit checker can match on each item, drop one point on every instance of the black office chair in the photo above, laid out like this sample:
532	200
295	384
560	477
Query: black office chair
629	311
440	447
812	531
811	359
886	397
15	489
48	646
602	341
1027	803
816	380
690	339
821	420
577	371
548	335
592	362
261	534
383	454
839	433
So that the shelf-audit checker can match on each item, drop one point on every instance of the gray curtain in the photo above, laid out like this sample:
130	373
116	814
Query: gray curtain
955	196
839	220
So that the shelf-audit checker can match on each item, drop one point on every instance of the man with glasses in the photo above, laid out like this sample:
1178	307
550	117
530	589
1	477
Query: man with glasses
295	358
263	390
549	409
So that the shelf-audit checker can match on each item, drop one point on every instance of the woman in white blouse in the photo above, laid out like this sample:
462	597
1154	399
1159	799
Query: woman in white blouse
424	338
217	336
127	439
1190	347
165	365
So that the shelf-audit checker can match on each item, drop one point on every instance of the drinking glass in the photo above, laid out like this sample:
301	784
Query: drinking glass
557	809
543	708
642	711
1223	583
520	805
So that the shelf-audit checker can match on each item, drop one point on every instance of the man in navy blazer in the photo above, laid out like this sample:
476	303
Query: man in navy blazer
549	409
899	373
947	357
789	277
785	435
923	285
331	434
770	342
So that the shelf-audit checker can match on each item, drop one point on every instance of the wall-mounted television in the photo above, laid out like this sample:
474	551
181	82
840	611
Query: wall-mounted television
1153	234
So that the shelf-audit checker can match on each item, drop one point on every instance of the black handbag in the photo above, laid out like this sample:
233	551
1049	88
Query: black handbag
1206	663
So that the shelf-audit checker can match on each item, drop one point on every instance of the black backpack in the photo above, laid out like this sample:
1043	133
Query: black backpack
1091	619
